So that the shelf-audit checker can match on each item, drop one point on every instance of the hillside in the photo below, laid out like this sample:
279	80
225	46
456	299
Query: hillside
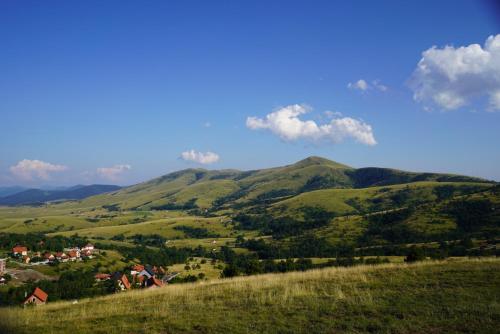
36	196
223	189
429	297
275	203
7	191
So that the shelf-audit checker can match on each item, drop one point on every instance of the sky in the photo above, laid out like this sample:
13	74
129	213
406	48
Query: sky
123	91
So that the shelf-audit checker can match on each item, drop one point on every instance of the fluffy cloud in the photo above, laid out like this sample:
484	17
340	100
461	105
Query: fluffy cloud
452	77
362	85
113	173
285	123
200	157
29	169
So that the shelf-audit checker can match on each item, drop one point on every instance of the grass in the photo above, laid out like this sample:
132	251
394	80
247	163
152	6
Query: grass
210	270
163	227
429	297
352	201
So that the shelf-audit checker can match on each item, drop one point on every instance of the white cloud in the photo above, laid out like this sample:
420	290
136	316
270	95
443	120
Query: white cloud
207	124
286	124
452	77
359	85
332	114
29	169
200	157
379	86
113	173
363	86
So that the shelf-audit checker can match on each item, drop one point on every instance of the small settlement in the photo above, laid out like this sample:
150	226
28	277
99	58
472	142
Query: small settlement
138	276
22	254
141	276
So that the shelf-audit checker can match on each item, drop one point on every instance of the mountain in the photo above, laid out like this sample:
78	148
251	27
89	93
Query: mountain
218	189
34	196
6	191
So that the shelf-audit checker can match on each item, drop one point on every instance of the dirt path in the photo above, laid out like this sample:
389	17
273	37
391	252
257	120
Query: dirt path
24	275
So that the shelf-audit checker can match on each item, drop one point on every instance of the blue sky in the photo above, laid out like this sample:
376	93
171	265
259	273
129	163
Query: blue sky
116	91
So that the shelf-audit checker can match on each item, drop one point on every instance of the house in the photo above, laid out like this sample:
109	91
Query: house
20	251
122	280
102	277
38	297
88	247
153	283
136	269
139	280
49	256
74	254
147	272
87	254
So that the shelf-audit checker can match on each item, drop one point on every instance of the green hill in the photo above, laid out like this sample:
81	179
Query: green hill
219	189
456	296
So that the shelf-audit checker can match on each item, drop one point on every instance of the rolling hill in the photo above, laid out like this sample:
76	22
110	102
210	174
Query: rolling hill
7	191
36	196
222	189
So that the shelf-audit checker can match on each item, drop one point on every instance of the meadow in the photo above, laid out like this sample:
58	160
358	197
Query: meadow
454	296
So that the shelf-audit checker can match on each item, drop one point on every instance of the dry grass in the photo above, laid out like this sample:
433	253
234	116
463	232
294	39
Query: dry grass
427	297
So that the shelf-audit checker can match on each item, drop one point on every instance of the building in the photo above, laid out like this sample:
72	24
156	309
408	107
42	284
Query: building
136	269
38	297
19	251
153	283
147	273
87	254
102	277
48	256
88	247
74	254
122	280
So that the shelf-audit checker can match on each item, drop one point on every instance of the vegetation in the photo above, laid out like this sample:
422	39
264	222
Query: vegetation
454	296
304	217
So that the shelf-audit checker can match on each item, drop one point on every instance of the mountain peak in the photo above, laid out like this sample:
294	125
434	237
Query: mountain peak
315	160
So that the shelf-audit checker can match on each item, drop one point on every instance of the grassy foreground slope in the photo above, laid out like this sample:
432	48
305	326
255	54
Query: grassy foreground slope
430	297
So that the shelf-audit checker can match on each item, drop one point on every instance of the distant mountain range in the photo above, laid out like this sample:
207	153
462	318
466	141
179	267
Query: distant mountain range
212	189
7	191
22	196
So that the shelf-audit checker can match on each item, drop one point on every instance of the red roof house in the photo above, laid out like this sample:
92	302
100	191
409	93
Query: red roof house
20	250
38	297
136	268
102	277
122	280
153	282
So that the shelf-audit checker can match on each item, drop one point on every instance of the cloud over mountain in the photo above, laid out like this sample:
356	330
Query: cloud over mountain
452	77
113	173
286	123
200	157
30	169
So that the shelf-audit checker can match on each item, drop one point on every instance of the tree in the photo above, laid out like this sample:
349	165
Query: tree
415	254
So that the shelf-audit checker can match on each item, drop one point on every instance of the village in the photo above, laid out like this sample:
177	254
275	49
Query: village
136	276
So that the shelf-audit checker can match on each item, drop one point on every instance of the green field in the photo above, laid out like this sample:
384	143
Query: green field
429	297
